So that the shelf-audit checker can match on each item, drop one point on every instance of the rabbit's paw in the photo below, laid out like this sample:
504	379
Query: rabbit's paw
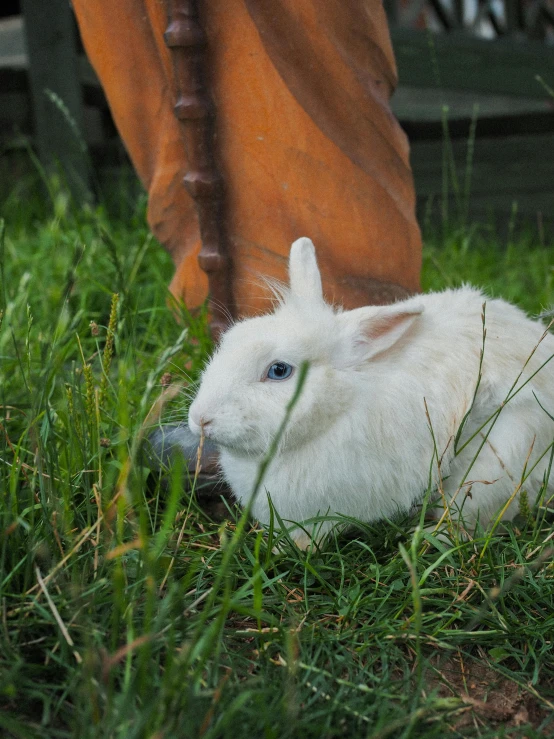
299	538
302	540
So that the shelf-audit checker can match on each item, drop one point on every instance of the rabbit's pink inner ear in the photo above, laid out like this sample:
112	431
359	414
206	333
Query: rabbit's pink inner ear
381	327
305	279
379	332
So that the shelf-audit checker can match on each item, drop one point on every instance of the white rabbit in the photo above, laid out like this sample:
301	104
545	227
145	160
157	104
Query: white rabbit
359	442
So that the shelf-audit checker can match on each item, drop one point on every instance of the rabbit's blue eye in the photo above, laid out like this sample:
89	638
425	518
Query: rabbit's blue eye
279	371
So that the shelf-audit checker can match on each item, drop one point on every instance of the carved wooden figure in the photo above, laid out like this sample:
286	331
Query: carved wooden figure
290	99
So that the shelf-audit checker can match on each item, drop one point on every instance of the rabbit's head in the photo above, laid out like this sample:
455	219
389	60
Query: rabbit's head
252	376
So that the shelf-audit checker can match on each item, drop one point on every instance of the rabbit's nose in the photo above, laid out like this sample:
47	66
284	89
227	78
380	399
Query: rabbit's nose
205	421
197	416
197	421
205	427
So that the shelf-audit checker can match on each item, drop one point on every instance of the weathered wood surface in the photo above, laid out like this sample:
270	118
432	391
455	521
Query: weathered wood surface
14	56
503	171
459	62
13	49
530	19
444	76
16	108
427	104
499	74
53	69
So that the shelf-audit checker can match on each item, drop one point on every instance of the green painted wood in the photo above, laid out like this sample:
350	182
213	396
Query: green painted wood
15	112
459	62
14	56
427	104
53	66
503	170
12	42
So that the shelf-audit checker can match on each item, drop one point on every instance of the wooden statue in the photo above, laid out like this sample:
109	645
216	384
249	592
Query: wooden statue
282	128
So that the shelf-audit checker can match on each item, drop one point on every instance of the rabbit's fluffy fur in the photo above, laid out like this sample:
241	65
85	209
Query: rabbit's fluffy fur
359	441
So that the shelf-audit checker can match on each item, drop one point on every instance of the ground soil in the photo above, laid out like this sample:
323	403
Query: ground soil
491	697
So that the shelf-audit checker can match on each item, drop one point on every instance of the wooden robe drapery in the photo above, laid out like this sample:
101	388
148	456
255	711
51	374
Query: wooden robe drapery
305	142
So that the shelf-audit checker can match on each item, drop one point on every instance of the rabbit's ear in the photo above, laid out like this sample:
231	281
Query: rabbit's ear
305	280
372	331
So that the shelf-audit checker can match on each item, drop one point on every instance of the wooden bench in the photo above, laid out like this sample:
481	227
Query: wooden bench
459	62
466	64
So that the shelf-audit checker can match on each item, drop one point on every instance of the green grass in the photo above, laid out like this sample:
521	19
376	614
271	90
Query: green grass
126	612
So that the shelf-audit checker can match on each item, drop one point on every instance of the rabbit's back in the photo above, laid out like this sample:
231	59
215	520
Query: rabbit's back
510	431
457	325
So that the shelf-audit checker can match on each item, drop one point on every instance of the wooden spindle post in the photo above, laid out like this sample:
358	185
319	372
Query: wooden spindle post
196	114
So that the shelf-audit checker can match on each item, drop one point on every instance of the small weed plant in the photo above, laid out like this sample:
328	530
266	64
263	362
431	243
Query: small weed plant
127	612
